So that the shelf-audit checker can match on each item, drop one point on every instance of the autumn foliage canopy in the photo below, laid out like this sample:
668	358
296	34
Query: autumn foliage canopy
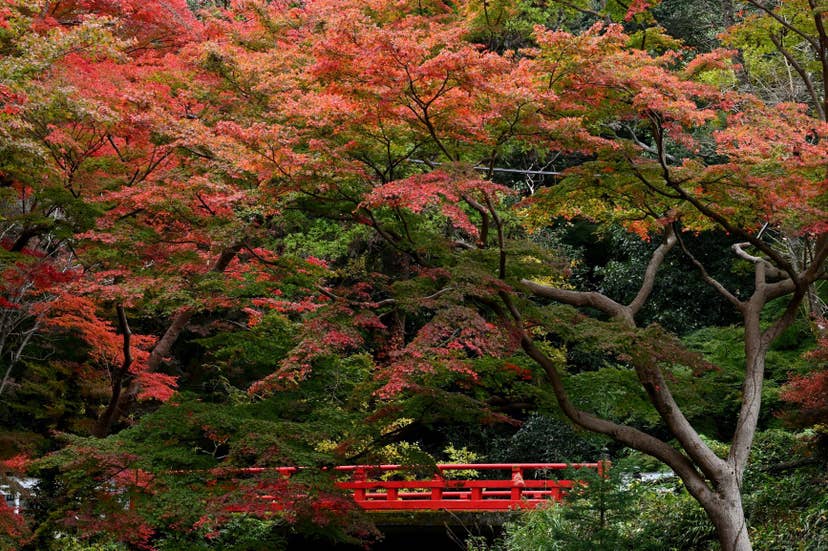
169	172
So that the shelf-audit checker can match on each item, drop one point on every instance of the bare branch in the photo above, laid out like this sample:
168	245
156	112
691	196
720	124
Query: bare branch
118	378
803	74
652	379
656	260
580	298
770	270
708	279
586	11
359	304
484	215
500	238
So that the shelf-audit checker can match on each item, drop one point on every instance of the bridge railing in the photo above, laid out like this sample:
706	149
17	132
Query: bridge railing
499	486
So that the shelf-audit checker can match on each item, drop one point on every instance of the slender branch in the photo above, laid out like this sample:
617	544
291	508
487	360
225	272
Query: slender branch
586	11
708	279
360	304
15	357
822	52
646	147
785	320
117	377
484	215
735	230
374	223
656	260
770	270
816	269
803	74
652	379
377	304
579	298
500	237
785	23
602	302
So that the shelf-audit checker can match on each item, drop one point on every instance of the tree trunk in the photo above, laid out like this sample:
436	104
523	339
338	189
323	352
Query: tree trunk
117	376
728	516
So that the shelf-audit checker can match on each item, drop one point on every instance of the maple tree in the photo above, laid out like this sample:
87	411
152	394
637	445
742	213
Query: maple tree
671	187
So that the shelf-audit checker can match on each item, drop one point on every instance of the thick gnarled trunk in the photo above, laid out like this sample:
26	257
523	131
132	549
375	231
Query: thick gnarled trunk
728	516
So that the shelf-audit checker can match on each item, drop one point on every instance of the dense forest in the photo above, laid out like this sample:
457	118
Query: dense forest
267	233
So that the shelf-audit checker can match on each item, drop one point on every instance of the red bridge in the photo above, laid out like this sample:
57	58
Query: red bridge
495	486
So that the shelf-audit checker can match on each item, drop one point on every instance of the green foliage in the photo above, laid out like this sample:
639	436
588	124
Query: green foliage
785	493
246	356
241	533
601	513
622	398
171	489
673	521
324	239
767	69
71	543
719	387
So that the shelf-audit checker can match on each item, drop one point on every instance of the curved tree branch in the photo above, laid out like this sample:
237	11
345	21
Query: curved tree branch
709	279
624	434
656	260
591	299
117	377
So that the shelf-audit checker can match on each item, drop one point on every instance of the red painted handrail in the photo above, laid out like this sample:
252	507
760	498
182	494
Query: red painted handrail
373	493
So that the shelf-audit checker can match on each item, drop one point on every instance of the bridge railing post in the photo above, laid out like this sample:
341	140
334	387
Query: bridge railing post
359	476
437	491
517	483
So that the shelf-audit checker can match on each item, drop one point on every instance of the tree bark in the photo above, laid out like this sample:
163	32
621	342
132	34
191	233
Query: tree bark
728	517
117	377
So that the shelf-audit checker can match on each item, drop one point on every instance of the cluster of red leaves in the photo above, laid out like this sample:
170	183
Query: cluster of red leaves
771	158
78	315
31	281
13	529
439	189
639	6
109	486
152	25
452	338
810	392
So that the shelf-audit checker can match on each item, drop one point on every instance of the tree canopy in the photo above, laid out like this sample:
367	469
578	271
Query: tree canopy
267	233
